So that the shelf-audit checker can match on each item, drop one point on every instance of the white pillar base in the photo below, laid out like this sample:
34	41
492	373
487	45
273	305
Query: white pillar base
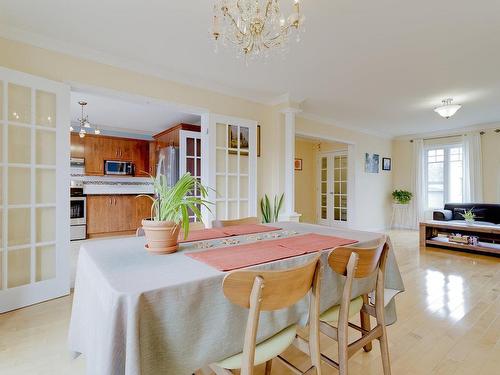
293	216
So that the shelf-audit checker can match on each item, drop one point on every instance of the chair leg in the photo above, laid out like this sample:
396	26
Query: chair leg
365	323
269	365
384	351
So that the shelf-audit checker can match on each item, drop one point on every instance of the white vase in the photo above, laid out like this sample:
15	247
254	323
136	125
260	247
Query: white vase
469	221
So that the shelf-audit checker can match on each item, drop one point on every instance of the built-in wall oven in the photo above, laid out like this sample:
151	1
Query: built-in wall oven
78	214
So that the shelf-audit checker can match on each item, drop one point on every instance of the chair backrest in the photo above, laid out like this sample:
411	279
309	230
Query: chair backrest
280	289
368	258
230	223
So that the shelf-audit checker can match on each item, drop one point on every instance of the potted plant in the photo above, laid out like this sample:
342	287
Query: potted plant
170	212
270	214
469	216
402	196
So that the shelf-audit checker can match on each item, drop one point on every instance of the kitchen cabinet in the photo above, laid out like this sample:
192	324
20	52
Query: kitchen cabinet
98	148
116	214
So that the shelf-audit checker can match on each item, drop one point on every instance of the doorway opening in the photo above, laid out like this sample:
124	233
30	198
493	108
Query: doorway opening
323	181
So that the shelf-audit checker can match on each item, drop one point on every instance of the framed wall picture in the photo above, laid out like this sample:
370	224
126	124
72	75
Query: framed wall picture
386	164
371	163
298	164
258	141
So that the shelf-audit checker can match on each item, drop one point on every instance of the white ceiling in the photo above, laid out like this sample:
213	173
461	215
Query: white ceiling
127	115
380	65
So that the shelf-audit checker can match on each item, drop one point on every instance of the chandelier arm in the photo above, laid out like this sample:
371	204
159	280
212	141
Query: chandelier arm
268	6
233	21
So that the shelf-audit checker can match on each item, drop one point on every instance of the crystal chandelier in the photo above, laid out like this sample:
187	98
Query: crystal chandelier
84	123
447	109
254	26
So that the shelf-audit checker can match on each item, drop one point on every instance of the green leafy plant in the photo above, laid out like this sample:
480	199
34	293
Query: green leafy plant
469	215
402	196
271	213
173	203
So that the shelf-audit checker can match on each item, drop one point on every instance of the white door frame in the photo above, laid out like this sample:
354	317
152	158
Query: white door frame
39	291
209	125
330	221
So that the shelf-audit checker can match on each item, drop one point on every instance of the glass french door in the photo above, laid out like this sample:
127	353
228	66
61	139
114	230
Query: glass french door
333	188
34	182
233	172
190	158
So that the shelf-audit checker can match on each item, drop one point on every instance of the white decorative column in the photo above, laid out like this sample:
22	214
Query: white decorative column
289	213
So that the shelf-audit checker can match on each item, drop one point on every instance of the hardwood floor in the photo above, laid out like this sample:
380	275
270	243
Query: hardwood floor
448	322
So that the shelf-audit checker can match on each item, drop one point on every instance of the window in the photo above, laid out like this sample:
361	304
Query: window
444	175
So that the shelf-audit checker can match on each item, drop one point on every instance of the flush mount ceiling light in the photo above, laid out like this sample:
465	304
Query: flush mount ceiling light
255	27
447	109
84	123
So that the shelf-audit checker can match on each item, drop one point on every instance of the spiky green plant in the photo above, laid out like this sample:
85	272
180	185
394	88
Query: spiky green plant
271	213
173	203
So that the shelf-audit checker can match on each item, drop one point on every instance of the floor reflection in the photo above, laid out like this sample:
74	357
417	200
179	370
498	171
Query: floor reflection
445	294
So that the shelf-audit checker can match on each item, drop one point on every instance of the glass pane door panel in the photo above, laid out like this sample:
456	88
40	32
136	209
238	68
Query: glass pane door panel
19	103
232	210
244	159
46	186
19	185
19	232
19	267
244	209
1	140
1	198
45	224
1	111
19	144
220	207
221	135
232	133
45	147
45	108
45	263
190	147
232	187
243	187
220	186
232	162
221	161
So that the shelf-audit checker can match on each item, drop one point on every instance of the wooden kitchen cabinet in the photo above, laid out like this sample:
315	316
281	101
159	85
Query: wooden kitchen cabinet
77	146
93	153
140	156
116	214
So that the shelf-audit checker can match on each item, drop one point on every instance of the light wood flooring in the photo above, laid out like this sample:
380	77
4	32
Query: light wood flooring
448	322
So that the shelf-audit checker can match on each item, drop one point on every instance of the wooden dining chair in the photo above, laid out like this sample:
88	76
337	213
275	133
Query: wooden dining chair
197	225
357	263
268	291
230	223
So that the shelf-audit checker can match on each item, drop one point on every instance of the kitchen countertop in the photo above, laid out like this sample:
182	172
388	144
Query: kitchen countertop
106	185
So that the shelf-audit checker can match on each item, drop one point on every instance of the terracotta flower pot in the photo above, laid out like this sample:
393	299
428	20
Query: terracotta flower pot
162	236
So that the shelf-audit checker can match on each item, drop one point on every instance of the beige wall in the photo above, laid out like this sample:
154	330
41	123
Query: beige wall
372	202
490	144
372	199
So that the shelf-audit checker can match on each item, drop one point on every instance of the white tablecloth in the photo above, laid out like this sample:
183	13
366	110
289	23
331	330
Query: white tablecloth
141	314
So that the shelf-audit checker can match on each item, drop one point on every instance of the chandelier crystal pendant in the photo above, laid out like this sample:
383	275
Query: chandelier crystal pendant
255	27
447	109
84	124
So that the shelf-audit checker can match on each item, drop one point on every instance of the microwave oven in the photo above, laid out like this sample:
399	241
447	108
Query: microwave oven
119	168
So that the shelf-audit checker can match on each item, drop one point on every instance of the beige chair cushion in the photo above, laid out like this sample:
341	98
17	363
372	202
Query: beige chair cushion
332	314
264	351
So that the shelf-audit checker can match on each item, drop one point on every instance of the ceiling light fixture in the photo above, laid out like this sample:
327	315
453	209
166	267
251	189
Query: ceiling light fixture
447	109
254	26
84	123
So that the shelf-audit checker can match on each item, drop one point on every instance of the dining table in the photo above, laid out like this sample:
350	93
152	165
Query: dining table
135	313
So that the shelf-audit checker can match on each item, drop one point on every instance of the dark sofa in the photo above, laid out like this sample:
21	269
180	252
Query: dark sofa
486	213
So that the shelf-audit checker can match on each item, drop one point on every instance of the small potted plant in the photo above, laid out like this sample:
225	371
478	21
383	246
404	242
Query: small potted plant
469	216
402	196
170	212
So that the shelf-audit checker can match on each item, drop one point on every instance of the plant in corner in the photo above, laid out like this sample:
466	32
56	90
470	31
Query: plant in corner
270	214
170	212
469	216
402	196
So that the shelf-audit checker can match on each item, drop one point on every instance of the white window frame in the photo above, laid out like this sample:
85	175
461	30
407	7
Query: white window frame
446	160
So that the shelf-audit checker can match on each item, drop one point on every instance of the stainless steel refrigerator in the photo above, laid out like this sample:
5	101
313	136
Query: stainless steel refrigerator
168	164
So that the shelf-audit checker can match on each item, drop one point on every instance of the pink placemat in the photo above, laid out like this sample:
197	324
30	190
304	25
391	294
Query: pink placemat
241	256
202	235
239	230
213	233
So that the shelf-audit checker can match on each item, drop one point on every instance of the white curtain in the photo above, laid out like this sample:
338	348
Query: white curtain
418	183
473	168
